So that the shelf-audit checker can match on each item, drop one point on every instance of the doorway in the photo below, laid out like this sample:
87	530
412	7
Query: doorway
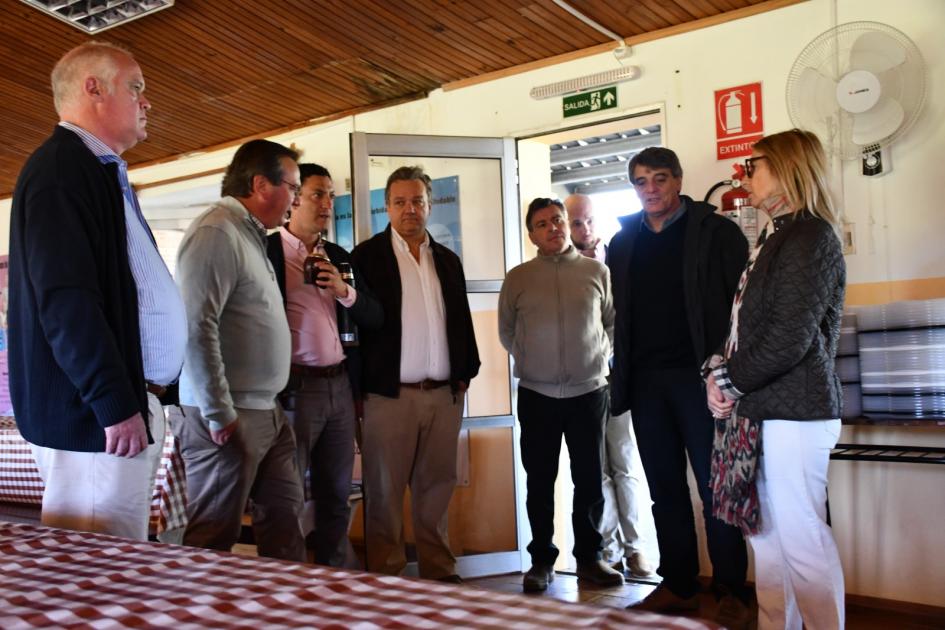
590	160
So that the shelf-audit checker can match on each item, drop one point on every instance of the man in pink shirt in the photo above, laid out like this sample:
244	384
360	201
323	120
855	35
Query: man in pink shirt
323	382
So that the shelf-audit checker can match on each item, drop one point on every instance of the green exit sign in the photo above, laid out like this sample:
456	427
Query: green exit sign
587	102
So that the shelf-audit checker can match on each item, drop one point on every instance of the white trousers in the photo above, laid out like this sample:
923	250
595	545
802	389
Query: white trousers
798	576
97	492
626	494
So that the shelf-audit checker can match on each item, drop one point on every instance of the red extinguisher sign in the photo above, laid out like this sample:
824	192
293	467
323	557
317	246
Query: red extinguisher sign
739	121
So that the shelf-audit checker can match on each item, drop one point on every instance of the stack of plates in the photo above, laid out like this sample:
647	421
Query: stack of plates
902	359
848	367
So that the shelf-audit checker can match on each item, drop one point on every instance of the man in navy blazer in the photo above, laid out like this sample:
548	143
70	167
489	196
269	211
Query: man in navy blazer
97	325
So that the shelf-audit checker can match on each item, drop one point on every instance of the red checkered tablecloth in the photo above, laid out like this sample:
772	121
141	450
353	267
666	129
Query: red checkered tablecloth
58	578
20	481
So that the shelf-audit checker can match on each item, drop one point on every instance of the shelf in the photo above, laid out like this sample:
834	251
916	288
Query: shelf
883	453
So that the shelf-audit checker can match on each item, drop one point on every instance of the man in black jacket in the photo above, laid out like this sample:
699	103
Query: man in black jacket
325	371
97	326
417	367
675	267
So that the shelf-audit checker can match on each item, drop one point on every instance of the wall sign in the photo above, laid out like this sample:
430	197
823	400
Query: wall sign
739	120
587	102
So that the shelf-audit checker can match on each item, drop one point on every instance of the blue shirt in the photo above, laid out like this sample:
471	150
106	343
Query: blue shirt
161	315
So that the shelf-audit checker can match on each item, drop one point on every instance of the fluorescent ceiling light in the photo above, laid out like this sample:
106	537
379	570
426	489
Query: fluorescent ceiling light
95	16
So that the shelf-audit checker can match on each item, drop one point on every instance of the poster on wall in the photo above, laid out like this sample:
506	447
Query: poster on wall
6	408
443	224
739	120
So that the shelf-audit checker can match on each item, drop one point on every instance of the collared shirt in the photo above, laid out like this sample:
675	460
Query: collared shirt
161	316
424	352
313	318
676	216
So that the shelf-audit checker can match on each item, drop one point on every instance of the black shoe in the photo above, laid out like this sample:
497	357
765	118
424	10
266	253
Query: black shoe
599	572
538	578
451	579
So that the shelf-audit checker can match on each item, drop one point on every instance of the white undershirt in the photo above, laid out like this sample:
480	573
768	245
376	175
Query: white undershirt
424	352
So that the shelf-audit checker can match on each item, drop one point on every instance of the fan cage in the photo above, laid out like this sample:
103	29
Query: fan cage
828	54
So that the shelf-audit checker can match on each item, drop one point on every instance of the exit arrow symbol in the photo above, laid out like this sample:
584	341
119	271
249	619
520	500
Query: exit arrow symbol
754	109
609	98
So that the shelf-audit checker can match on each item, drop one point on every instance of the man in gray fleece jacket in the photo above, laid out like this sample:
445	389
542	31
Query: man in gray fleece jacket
235	440
556	318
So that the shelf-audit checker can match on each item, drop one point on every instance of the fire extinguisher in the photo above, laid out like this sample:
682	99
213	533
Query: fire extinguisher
736	204
734	199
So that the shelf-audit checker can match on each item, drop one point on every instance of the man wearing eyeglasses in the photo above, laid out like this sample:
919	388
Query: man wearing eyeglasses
675	266
235	440
417	367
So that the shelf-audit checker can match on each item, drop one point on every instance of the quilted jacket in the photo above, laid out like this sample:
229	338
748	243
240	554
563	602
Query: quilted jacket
789	324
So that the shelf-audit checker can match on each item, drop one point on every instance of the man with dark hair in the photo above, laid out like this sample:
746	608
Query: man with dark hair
235	439
625	492
556	319
97	327
675	266
325	369
417	367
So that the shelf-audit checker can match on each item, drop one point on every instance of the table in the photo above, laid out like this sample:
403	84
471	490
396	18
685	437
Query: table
21	484
54	577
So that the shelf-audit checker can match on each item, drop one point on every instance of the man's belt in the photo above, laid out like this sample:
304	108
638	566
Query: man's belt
318	371
157	390
427	383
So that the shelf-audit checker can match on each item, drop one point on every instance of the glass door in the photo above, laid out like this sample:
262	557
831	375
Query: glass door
475	212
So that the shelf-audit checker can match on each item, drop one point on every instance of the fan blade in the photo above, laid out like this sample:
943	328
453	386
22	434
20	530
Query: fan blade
878	123
876	52
819	92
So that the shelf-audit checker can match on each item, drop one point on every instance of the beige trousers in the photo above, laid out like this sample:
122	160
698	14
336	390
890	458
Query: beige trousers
98	492
258	463
410	440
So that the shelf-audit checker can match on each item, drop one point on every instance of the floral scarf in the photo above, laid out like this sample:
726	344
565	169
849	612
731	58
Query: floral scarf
737	442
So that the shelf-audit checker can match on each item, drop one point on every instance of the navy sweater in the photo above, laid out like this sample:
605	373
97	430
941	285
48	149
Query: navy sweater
75	346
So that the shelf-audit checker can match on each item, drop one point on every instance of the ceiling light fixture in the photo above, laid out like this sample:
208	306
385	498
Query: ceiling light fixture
587	82
95	16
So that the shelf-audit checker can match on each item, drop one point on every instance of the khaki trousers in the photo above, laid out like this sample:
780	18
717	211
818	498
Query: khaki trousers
98	492
410	440
257	462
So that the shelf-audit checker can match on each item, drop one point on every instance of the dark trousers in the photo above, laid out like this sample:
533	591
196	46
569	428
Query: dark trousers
321	411
544	420
671	420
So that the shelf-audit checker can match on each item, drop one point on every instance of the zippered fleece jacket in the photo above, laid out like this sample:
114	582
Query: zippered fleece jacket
556	318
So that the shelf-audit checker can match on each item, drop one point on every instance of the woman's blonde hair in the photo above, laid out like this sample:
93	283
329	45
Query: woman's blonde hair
798	161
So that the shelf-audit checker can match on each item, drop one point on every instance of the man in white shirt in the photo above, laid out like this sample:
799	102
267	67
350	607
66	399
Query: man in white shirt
417	367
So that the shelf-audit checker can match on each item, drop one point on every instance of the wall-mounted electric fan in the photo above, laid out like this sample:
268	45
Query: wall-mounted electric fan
859	87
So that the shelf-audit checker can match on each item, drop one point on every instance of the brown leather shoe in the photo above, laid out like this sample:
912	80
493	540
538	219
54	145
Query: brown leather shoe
599	572
663	600
538	578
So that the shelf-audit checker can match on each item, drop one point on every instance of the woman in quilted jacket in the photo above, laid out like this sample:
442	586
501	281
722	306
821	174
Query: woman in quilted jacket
774	391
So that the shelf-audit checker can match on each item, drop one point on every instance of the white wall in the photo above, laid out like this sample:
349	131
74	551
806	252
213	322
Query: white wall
898	222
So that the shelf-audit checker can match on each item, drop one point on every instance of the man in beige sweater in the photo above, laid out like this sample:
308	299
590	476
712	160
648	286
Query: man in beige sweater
556	318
